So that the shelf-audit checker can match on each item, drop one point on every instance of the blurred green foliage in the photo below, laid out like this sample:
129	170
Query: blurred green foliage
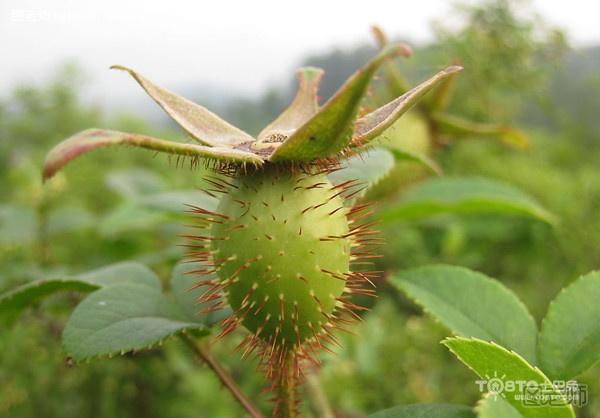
517	70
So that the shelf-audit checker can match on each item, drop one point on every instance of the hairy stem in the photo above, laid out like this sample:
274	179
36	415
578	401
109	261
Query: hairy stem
286	396
205	355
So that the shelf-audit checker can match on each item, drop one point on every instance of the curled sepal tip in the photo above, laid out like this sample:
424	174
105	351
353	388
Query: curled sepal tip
375	123
92	139
440	97
395	80
379	35
330	130
203	125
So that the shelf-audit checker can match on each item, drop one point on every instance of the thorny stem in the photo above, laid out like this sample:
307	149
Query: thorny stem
288	407
205	355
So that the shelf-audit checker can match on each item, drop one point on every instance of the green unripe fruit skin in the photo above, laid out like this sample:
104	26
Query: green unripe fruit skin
283	242
412	133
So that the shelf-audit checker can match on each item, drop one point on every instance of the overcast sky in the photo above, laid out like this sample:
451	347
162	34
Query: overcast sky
241	45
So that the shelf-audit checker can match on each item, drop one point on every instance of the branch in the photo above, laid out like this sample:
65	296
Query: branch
205	355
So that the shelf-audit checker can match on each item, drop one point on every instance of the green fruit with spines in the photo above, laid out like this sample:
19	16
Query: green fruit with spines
283	249
310	234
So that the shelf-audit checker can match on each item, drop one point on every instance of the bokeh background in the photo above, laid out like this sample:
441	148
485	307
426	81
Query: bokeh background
532	65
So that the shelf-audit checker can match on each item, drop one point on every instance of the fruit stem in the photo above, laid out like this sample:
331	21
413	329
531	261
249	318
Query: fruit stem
288	407
203	352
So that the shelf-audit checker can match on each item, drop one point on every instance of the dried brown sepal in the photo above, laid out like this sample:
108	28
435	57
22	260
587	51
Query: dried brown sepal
375	123
202	124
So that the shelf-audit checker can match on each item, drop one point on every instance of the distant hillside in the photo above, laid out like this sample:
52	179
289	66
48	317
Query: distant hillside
573	96
575	91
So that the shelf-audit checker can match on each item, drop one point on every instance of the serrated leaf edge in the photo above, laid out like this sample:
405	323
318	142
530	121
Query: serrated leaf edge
550	309
495	282
185	320
511	352
136	350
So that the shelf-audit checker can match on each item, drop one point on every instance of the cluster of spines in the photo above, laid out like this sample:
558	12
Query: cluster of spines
233	168
271	353
230	168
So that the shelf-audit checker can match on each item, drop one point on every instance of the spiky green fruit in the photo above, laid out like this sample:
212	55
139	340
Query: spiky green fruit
280	243
283	253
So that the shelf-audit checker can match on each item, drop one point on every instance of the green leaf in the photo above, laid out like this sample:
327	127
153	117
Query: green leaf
496	407
135	182
463	196
491	361
69	218
367	169
12	303
120	273
123	318
130	217
375	123
153	209
470	304
331	128
15	301
569	341
199	122
178	201
92	139
426	411
408	155
186	292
